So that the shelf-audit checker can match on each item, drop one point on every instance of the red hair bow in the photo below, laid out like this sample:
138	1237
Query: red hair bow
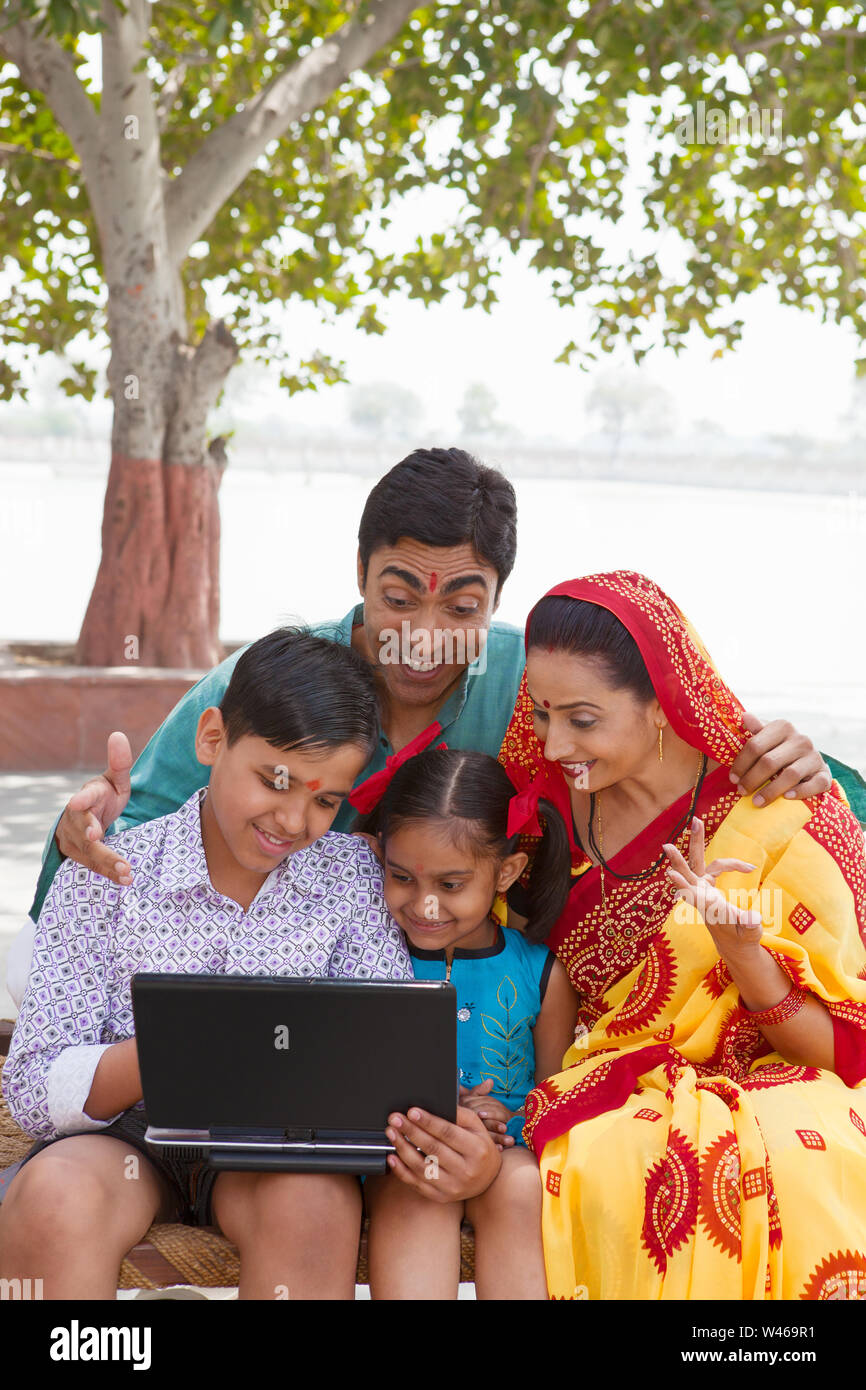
370	792
523	806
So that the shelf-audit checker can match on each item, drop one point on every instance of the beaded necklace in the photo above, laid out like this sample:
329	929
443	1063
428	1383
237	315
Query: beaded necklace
597	846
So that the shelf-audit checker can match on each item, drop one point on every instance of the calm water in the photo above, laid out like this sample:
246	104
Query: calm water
774	582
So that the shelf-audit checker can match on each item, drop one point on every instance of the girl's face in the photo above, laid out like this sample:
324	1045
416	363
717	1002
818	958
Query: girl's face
598	735
439	894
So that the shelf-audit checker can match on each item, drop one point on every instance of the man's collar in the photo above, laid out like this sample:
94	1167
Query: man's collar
453	706
343	629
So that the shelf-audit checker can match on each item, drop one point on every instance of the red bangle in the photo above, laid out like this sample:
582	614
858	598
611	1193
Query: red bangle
787	1008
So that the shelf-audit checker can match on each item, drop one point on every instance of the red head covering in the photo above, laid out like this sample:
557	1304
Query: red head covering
698	704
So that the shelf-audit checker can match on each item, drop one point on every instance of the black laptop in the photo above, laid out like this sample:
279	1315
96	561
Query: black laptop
272	1072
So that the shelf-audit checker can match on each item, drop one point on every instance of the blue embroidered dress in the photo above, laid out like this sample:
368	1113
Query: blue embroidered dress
499	993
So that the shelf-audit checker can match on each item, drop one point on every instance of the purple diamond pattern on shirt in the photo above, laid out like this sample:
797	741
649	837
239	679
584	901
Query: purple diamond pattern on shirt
319	913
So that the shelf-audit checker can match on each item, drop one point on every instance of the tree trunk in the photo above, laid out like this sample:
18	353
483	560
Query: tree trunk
155	601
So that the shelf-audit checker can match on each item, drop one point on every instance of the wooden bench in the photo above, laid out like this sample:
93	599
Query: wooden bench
175	1254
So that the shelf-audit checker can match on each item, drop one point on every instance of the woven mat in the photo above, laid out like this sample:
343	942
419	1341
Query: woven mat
14	1143
174	1254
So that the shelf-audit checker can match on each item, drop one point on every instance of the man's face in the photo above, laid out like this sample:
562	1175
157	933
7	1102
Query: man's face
427	610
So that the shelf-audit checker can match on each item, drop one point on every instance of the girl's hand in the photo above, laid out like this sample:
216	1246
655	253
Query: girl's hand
731	927
493	1113
441	1161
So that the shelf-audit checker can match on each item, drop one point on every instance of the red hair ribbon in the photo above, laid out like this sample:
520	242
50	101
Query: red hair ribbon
523	812
523	806
370	792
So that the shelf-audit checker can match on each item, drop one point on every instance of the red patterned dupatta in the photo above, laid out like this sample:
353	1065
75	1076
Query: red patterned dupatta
700	707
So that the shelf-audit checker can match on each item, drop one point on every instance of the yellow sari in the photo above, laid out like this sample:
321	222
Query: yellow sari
682	1158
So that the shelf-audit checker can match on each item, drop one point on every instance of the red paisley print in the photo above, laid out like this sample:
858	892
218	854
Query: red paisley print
778	1074
650	992
773	1218
671	1203
840	1276
719	1210
725	1090
716	981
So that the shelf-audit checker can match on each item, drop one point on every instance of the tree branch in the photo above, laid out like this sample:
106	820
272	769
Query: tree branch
131	153
134	235
169	93
226	156
797	31
543	146
47	68
7	151
200	374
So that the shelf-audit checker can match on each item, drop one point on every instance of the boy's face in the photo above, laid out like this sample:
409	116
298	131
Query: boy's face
445	595
265	803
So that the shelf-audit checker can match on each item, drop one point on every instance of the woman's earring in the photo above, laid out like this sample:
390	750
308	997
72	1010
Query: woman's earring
661	755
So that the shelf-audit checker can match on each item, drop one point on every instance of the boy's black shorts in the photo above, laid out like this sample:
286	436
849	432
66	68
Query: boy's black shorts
189	1180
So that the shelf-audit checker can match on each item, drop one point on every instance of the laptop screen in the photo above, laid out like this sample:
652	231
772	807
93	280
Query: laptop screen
279	1053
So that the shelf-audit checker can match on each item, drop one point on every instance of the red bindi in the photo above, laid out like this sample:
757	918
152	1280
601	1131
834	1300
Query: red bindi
433	578
314	785
546	704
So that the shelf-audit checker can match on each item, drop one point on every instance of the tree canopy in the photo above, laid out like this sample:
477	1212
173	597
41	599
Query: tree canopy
521	108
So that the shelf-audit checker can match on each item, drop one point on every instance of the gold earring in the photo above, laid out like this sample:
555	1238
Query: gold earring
661	754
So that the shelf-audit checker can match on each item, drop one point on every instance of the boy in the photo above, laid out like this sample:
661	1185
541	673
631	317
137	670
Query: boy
242	879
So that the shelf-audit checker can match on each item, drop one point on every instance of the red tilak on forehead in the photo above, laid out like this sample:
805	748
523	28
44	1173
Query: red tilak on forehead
433	578
314	785
419	868
546	704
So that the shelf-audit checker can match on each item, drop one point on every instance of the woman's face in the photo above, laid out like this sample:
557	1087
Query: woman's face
598	735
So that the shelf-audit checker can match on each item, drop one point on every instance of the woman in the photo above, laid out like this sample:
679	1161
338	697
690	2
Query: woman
704	1140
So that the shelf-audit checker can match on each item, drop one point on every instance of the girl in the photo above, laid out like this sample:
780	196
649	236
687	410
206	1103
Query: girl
448	831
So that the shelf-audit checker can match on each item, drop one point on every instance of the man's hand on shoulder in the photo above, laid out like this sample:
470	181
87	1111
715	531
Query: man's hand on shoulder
92	810
781	762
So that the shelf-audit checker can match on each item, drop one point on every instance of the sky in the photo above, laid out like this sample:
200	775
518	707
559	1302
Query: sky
791	374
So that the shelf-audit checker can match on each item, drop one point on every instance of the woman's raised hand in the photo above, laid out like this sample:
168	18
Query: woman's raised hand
730	926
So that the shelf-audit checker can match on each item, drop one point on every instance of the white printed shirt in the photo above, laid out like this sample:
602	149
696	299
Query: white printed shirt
320	913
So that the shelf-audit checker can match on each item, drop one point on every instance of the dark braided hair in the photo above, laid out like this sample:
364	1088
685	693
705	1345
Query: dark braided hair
560	623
